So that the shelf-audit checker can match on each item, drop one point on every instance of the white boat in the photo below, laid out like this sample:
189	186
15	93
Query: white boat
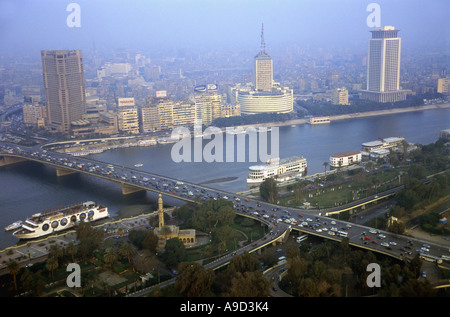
319	120
14	225
166	140
45	223
235	130
138	165
290	167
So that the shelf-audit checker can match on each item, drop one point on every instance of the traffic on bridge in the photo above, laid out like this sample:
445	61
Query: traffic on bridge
280	220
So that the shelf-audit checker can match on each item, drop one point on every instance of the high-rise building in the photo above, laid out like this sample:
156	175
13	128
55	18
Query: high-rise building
383	66
34	114
264	95
207	105
340	96
64	88
263	67
443	85
127	116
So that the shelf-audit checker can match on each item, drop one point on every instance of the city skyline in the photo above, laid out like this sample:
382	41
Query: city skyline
201	25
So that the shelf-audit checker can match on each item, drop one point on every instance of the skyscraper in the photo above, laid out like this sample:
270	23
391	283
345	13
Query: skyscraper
263	68
64	88
263	95
383	66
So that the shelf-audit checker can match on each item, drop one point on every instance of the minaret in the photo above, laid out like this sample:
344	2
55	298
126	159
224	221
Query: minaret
160	212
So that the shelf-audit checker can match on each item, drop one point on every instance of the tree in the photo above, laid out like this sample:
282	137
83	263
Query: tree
150	241
32	282
51	265
72	249
174	253
13	268
211	213
250	284
325	164
89	239
127	250
193	280
110	256
268	189
244	263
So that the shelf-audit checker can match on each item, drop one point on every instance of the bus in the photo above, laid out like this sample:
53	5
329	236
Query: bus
302	238
445	258
430	258
343	234
281	260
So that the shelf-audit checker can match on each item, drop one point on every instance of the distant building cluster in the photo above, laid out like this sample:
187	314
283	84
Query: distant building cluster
70	110
129	96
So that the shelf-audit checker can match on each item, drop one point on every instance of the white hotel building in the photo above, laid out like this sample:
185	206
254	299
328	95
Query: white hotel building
345	159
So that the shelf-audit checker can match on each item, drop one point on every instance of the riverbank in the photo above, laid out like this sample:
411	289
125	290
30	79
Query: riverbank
355	115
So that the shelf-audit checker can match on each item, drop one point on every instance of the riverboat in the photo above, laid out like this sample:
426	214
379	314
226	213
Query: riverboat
47	222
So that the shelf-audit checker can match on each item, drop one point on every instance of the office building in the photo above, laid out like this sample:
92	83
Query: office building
383	67
127	116
184	114
340	96
207	103
443	85
64	88
34	114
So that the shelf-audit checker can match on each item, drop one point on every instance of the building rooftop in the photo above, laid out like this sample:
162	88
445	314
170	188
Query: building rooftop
345	154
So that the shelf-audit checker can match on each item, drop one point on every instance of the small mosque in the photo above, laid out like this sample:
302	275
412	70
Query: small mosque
166	232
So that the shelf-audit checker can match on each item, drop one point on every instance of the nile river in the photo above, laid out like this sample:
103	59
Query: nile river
28	188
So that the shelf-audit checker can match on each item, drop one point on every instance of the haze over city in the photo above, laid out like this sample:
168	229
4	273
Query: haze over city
27	26
155	119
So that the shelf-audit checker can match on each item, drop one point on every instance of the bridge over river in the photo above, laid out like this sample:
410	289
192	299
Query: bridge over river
307	221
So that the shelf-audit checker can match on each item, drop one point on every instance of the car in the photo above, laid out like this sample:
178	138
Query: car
393	243
374	242
366	238
384	244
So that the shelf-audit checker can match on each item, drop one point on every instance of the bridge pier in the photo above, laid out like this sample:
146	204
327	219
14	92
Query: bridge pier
128	189
64	171
8	160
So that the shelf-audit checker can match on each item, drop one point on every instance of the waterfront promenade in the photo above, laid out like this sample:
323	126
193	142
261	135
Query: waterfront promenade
357	115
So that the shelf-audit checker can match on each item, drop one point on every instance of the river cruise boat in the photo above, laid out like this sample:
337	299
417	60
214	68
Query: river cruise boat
48	222
280	170
319	120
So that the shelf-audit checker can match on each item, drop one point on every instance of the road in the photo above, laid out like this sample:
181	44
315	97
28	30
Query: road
279	219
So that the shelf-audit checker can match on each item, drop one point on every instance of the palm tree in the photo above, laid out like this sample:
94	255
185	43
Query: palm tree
128	250
325	164
13	268
52	265
72	249
110	256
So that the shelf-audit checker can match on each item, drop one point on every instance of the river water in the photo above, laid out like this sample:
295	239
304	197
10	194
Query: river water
28	187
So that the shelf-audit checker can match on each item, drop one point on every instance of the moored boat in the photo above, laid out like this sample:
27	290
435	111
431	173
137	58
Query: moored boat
41	224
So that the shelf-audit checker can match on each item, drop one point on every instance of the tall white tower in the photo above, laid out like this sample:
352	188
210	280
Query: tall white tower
263	67
383	67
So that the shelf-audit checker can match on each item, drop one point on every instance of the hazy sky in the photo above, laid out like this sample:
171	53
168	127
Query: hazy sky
183	24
